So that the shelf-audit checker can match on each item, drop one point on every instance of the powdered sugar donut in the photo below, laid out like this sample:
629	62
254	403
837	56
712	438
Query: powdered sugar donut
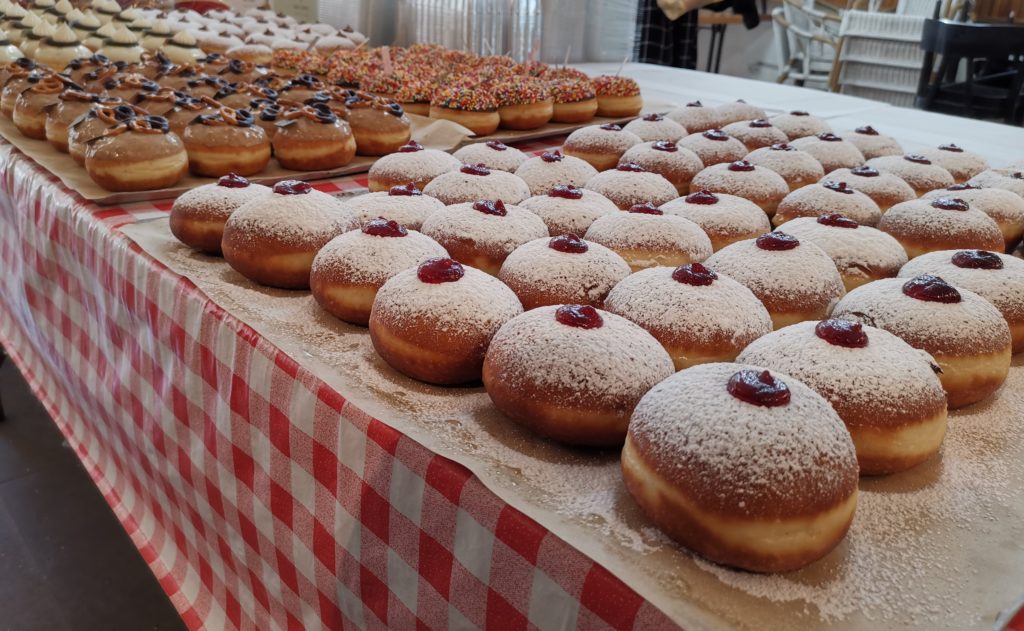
724	218
434	322
798	168
272	239
544	172
349	270
714	146
916	170
947	223
861	253
885	390
412	163
664	157
996	277
756	133
1007	179
695	117
562	270
885	189
600	145
794	279
961	164
697	315
1004	207
198	216
966	335
647	237
828	197
470	183
493	153
568	209
405	204
572	372
832	151
629	184
764	187
739	110
798	124
651	127
731	460
484	232
872	143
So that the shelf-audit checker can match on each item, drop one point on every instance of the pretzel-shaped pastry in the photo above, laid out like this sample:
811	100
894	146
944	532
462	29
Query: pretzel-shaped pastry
226	116
141	124
115	115
49	84
316	113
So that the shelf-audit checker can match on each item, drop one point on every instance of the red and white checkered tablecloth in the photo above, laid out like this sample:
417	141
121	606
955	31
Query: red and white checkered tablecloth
260	497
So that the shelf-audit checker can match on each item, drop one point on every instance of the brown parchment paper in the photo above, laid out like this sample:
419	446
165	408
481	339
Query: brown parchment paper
936	547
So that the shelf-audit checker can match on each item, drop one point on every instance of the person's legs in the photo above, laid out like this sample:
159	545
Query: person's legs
663	41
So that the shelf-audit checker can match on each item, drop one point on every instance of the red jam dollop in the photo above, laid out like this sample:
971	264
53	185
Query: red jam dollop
233	180
646	208
579	316
760	123
568	243
951	203
842	333
865	171
475	169
867	130
292	187
776	241
410	147
759	388
611	127
782	146
381	227
552	156
704	198
566	191
839	187
916	158
951	147
799	113
654	118
630	166
837	221
963	187
440	270
408	190
497	145
665	145
740	166
694	274
931	289
829	137
716	134
977	259
494	207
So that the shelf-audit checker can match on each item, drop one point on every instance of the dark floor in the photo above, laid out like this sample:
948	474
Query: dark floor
65	561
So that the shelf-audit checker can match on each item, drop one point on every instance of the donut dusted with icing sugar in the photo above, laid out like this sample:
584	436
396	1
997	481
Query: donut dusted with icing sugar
483	233
872	143
746	467
647	237
493	153
886	391
967	336
198	216
698	316
916	170
562	270
756	133
629	184
411	164
470	183
764	187
828	197
696	118
832	151
572	373
1004	207
349	270
544	172
724	218
667	159
272	240
794	279
946	223
885	189
798	124
405	204
433	323
961	164
600	145
651	127
568	209
714	146
798	168
996	277
1007	179
739	110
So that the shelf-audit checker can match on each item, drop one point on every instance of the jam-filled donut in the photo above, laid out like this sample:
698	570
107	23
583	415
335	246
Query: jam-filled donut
967	336
630	184
1010	179
406	205
412	163
696	118
697	315
647	237
312	138
226	142
551	168
493	154
761	185
828	197
198	216
272	240
885	189
714	146
600	145
725	218
483	233
756	134
832	151
862	254
946	223
794	279
470	183
961	164
886	391
434	322
567	209
667	159
617	96
916	170
746	467
563	269
739	110
140	154
872	143
572	373
798	168
349	270
1004	207
996	277
798	124
651	127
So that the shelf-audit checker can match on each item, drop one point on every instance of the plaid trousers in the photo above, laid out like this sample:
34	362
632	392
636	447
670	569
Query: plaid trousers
662	41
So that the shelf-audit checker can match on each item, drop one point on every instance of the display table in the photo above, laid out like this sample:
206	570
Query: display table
262	498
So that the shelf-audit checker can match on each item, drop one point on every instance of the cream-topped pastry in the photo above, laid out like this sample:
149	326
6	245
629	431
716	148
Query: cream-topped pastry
123	45
157	36
183	48
58	50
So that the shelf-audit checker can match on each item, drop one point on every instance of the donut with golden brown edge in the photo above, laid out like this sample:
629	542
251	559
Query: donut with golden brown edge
832	151
468	105
714	146
348	271
998	278
313	138
406	205
575	100
551	168
617	96
667	159
494	154
916	170
379	125
198	216
433	323
761	185
31	105
798	168
872	143
567	209
946	223
272	240
886	391
229	141
967	336
600	145
572	373
756	133
185	110
19	79
725	218
629	184
696	118
98	119
72	104
645	236
698	316
411	163
651	127
1009	179
746	467
828	197
798	124
1004	207
885	189
739	110
140	154
523	102
470	183
961	164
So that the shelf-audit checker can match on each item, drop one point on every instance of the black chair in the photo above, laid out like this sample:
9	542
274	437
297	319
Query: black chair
994	54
